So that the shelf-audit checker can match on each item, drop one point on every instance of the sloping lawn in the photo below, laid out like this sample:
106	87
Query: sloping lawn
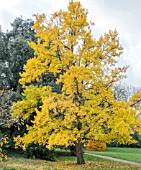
63	162
130	154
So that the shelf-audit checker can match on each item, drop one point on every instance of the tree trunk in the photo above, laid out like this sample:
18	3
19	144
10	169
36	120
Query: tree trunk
79	153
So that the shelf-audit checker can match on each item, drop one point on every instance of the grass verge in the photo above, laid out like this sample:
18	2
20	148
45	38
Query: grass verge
130	154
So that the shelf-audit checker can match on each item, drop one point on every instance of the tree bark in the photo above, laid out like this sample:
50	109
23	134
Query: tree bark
79	153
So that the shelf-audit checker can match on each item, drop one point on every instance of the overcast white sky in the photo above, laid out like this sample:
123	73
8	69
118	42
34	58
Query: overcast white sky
122	15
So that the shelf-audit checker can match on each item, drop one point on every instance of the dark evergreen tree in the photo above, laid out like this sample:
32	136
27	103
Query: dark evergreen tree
14	52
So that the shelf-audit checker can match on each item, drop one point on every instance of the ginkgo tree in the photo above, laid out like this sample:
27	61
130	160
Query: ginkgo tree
85	70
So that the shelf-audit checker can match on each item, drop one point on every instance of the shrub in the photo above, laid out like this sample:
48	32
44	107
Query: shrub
38	151
95	145
72	150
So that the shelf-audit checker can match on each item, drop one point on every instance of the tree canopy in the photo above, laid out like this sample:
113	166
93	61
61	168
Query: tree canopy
85	71
14	52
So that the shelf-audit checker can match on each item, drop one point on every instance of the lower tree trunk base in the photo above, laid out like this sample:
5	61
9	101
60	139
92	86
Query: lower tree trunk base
79	153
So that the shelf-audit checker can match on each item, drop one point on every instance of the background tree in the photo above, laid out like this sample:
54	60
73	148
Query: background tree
3	59
14	52
85	70
125	92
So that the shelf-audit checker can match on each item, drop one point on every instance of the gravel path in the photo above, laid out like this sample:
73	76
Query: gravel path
114	159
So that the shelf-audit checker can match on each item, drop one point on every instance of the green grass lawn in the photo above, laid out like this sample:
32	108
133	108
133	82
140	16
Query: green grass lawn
130	154
63	162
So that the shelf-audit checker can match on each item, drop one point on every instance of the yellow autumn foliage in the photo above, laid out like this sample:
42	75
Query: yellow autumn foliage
87	70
